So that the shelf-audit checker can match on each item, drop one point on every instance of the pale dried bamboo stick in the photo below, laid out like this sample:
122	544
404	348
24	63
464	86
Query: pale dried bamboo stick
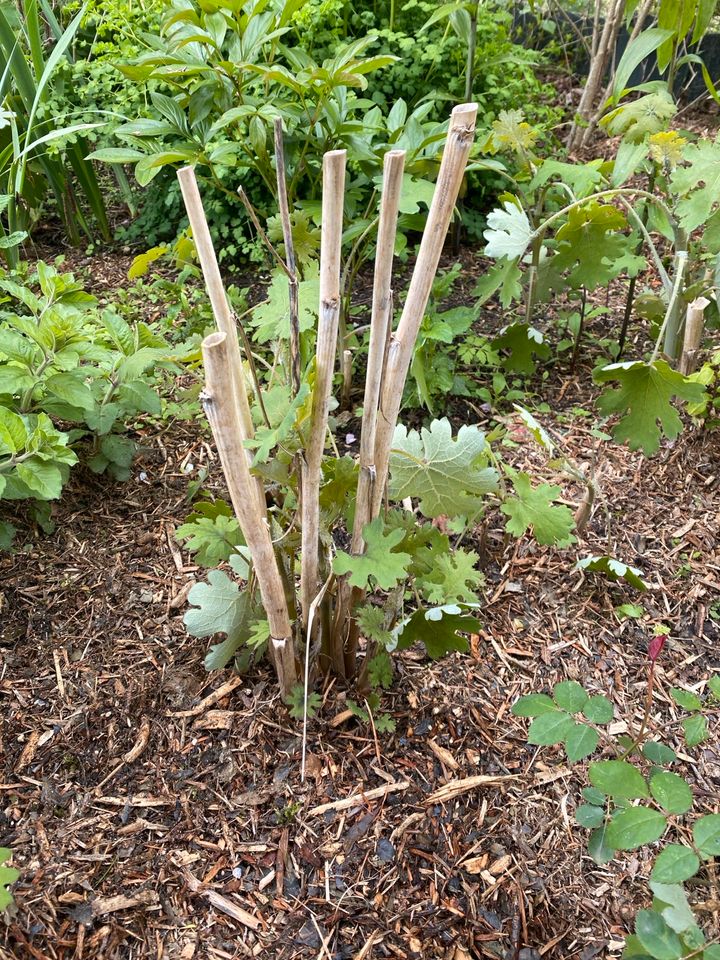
284	208
216	291
380	329
694	324
399	354
325	351
222	412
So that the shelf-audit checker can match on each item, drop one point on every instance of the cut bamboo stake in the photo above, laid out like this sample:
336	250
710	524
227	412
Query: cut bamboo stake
222	412
452	169
222	311
289	256
380	330
694	323
329	312
216	291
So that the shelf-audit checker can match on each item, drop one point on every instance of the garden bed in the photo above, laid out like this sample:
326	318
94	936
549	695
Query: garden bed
158	811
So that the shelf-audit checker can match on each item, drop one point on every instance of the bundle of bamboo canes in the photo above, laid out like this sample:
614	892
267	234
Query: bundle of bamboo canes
226	402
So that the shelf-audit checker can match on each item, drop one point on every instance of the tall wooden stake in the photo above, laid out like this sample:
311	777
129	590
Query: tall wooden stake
222	411
452	169
325	351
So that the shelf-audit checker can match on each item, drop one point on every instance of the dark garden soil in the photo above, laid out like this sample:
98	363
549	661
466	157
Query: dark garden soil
156	811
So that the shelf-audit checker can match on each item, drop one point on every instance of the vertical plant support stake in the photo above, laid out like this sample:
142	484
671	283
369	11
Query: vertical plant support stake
221	409
694	323
452	169
329	313
380	330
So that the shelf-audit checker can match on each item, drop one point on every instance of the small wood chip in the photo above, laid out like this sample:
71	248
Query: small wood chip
230	907
140	743
359	797
457	787
209	701
28	751
444	756
106	905
215	720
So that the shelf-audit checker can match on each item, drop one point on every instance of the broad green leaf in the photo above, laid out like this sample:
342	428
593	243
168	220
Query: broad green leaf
550	728
216	606
644	401
450	475
671	792
267	438
7	534
618	778
271	319
570	695
71	388
695	729
211	539
519	343
582	178
675	864
437	628
380	671
594	796
532	508
580	742
8	875
13	432
508	233
706	834
686	698
591	249
614	570
452	578
589	816
714	686
42	478
660	941
505	277
533	705
598	709
658	753
598	847
635	827
675	910
698	183
635	120
380	562
512	131
634	950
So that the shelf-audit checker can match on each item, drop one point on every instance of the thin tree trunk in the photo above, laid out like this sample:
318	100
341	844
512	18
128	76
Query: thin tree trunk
598	65
694	322
640	18
289	257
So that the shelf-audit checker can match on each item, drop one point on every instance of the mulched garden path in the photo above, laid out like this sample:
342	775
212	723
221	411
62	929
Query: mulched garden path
156	811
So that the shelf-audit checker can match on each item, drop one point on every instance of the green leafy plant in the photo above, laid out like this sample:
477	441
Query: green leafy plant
634	800
39	154
64	361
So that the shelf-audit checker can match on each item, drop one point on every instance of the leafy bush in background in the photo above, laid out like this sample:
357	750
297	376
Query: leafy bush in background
69	372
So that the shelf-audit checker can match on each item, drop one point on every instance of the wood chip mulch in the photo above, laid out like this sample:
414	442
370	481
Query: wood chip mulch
156	811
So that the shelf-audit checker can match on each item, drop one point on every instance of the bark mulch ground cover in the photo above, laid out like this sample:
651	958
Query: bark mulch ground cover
156	811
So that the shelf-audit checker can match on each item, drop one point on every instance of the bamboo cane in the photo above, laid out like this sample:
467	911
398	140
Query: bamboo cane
400	351
284	208
222	411
216	291
329	312
380	330
694	323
